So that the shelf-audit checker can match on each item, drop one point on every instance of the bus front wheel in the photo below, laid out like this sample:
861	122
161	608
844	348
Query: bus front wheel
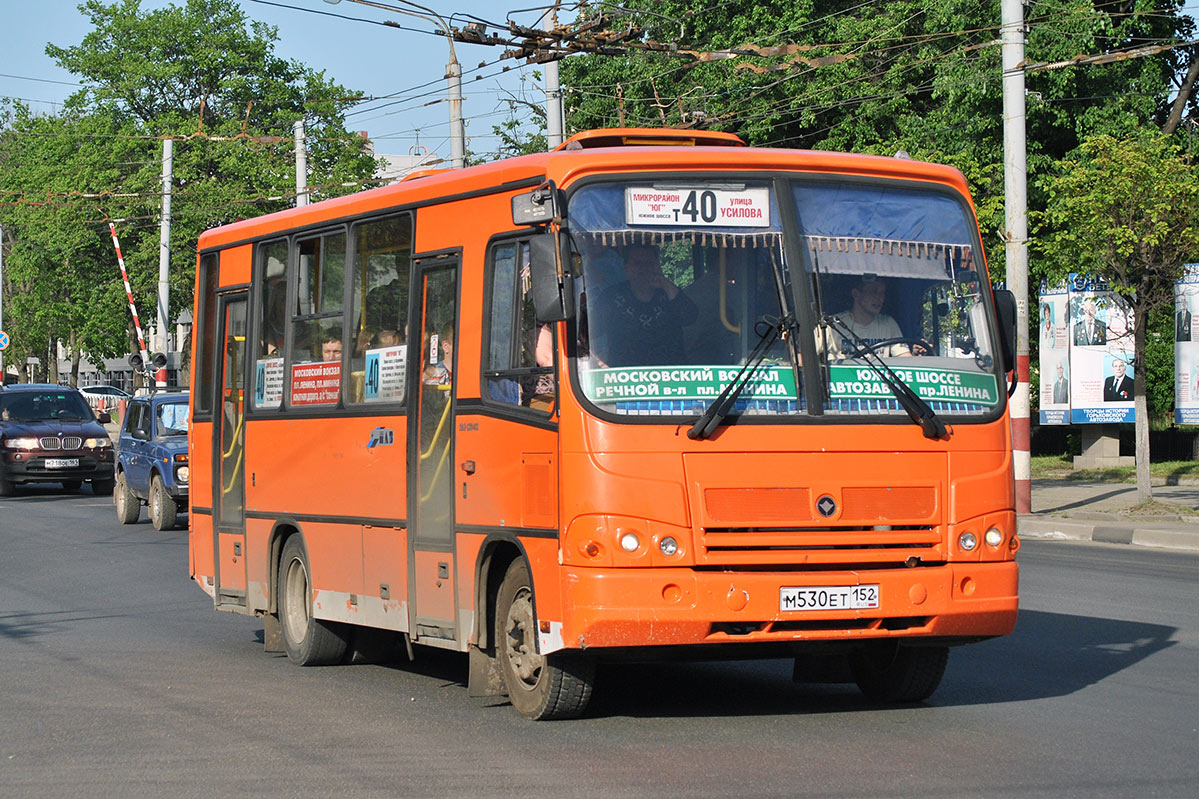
555	686
888	672
307	641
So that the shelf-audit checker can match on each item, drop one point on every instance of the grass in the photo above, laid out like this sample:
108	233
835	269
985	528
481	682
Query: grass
1155	508
1063	466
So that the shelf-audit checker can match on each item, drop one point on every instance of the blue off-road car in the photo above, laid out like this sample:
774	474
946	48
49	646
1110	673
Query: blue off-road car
152	459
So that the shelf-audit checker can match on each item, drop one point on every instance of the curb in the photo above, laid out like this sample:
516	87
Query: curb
1184	537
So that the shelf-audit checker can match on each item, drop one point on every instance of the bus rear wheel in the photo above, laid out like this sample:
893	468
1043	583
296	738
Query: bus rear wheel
901	674
307	641
555	686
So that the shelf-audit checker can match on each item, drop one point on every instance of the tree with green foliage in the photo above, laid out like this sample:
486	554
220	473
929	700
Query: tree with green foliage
1127	209
903	75
61	274
201	73
881	77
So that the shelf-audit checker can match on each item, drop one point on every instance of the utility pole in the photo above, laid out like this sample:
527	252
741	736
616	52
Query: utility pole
553	91
453	73
1015	182
297	131
2	372
164	256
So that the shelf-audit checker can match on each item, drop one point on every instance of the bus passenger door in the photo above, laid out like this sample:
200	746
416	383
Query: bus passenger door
228	505
431	603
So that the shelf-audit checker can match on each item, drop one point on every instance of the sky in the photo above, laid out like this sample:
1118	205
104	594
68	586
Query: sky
406	68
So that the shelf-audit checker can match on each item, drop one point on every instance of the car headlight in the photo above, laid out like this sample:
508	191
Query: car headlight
22	443
97	443
181	474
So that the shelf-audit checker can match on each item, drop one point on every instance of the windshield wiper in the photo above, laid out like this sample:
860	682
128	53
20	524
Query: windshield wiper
715	413
913	403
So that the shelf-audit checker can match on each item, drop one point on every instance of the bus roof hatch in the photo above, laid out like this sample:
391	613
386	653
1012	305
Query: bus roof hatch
643	137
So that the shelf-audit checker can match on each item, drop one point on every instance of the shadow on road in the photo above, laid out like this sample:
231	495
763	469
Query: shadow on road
1048	655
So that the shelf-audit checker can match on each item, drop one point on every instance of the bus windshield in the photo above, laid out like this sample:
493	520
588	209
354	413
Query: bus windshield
679	278
676	278
893	272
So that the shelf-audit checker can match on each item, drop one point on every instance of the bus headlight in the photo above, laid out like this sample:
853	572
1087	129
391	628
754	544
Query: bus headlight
668	546
629	542
967	542
993	538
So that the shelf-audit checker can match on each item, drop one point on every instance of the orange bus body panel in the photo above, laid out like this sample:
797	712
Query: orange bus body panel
235	265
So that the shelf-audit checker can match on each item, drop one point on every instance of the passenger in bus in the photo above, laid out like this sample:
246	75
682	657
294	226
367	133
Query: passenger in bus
643	316
543	393
388	338
866	318
331	348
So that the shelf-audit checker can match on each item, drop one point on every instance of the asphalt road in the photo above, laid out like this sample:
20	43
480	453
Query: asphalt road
117	678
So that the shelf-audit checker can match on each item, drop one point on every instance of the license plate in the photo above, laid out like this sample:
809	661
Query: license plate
828	597
62	463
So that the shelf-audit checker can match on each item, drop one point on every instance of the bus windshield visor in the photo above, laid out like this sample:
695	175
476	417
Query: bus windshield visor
675	280
895	274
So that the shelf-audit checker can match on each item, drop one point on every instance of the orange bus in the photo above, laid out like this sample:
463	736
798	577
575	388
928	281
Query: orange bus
652	394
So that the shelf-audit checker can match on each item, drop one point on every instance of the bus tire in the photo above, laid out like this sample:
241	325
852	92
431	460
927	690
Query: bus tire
555	686
307	641
129	507
899	674
162	506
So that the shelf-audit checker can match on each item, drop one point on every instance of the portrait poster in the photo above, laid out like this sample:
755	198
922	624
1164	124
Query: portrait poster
1102	370
1054	348
1186	347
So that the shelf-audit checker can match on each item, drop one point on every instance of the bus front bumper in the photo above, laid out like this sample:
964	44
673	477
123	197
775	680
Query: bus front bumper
662	607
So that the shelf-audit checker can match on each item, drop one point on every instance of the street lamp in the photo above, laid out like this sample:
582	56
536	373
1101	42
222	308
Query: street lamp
453	73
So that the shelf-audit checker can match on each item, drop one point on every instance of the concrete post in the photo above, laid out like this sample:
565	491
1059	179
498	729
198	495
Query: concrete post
1015	174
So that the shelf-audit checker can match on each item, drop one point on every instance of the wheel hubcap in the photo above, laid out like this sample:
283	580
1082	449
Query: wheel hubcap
295	610
521	647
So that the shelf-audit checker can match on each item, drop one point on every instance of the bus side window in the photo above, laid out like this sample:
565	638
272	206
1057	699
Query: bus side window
204	334
272	324
519	363
379	310
317	321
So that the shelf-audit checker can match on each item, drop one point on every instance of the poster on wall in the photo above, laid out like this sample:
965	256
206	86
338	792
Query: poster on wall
1186	347
1102	370
1054	344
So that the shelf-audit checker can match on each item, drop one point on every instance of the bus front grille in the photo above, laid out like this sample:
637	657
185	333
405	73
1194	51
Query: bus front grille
819	545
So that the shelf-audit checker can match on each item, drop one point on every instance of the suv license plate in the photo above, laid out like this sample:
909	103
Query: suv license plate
62	463
828	597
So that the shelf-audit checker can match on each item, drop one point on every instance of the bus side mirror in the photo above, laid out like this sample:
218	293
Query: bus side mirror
537	207
553	295
1005	309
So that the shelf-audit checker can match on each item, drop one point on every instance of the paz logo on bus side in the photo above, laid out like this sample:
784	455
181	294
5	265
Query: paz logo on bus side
381	437
826	506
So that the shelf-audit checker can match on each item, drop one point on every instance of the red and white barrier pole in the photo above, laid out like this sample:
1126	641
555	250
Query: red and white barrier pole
137	325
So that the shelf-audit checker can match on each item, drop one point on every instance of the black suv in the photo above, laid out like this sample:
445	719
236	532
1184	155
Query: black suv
50	434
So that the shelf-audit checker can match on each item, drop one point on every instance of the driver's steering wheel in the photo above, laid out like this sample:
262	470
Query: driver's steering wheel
923	343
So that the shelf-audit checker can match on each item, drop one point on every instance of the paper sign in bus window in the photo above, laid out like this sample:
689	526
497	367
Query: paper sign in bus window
386	373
